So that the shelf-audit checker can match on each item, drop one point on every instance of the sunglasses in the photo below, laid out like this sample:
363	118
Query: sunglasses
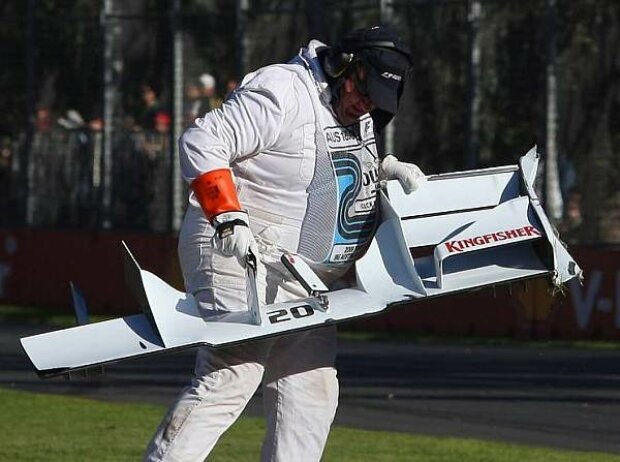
359	79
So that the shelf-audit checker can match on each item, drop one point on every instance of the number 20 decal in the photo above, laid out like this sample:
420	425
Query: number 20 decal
297	312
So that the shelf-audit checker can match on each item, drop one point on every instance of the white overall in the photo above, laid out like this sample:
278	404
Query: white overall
309	186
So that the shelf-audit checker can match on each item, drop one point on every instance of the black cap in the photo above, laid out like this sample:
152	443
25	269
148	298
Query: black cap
386	60
386	72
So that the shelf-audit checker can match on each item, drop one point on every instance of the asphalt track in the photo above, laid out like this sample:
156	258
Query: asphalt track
563	398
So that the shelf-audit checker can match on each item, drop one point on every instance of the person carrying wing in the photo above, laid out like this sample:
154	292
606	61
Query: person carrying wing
288	163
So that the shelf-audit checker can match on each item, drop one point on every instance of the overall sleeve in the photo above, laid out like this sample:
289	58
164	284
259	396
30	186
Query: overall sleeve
247	123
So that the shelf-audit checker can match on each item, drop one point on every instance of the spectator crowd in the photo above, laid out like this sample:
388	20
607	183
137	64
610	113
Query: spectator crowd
54	176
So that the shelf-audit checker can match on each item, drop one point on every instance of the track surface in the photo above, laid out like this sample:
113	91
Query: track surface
564	398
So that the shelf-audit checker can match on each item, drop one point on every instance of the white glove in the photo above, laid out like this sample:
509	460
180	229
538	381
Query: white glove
233	236
407	174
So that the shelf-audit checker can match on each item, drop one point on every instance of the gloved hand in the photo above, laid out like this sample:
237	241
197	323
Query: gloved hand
407	174
233	236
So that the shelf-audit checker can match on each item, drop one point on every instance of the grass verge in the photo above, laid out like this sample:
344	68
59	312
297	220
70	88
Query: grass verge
36	427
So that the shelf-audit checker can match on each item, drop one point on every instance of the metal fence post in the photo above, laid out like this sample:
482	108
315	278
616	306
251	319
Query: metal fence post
24	161
387	17
472	148
112	65
241	10
176	190
552	195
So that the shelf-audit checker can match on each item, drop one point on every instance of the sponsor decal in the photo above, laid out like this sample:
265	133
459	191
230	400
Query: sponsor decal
367	129
355	163
341	137
595	296
342	253
484	239
389	75
358	191
351	137
284	314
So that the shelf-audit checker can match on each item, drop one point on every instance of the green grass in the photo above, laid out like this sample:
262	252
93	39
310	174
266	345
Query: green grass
37	427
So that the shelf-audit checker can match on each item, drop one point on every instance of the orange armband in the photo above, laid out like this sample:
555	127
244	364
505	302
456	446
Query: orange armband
216	192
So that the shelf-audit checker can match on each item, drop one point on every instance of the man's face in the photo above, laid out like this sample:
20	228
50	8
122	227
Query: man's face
353	102
148	95
208	91
192	92
43	120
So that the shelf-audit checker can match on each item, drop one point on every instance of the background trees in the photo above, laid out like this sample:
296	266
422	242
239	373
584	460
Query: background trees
479	93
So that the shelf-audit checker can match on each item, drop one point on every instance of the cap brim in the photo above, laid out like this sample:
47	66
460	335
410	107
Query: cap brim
386	74
383	92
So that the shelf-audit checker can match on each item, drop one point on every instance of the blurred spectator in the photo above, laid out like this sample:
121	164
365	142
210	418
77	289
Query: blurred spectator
568	176
231	84
210	100
193	102
46	187
156	156
43	120
152	106
65	173
7	207
129	174
570	227
79	199
162	122
156	144
96	124
6	155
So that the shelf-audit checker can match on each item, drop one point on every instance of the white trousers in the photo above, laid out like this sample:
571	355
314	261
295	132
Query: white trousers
299	383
